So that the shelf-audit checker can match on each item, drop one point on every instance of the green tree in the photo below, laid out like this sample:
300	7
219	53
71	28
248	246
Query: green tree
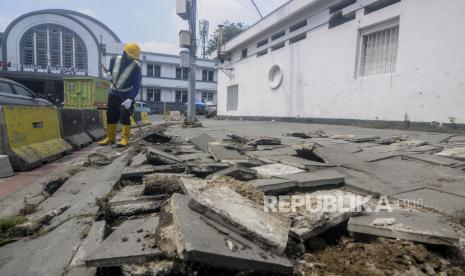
231	30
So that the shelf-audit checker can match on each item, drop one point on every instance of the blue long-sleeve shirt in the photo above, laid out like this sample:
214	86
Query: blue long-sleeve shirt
134	80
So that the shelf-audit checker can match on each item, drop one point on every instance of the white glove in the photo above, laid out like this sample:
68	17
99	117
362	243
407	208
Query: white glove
127	104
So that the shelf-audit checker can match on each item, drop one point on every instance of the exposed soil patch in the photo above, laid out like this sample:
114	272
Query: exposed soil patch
380	257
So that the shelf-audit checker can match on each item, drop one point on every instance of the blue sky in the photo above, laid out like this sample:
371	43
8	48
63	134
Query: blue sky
152	23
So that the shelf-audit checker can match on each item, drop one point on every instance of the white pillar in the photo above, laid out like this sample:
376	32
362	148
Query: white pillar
61	49
48	47
74	52
35	48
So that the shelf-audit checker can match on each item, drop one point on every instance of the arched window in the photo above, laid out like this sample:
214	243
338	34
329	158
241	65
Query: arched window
53	45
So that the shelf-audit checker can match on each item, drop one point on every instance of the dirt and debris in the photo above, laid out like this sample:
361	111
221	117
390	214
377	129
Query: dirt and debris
97	160
33	225
156	184
379	257
7	225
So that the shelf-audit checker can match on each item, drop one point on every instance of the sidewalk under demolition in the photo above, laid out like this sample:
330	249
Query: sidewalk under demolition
191	201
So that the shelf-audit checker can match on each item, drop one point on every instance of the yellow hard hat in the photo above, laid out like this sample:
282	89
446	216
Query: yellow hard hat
132	50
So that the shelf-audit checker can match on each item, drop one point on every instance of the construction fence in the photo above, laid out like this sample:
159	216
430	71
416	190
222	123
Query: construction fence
32	136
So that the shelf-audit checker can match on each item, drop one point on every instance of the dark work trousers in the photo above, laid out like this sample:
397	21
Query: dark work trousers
116	112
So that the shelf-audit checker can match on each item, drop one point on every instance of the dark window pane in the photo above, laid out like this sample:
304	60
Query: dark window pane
157	71
5	88
204	75
22	91
150	70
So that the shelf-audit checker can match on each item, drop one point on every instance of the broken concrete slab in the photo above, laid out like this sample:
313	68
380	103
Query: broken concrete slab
433	159
274	186
139	171
206	168
201	156
5	167
294	161
133	236
320	178
204	241
135	208
192	186
33	225
90	244
271	170
410	143
202	142
239	173
46	255
158	157
265	141
421	227
139	159
368	184
443	202
269	147
454	153
136	171
243	216
423	149
276	151
308	224
362	138
247	163
223	154
238	138
342	155
131	195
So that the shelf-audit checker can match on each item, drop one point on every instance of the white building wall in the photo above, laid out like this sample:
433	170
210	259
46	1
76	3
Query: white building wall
319	72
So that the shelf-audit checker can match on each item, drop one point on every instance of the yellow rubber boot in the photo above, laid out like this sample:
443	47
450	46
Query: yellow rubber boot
111	135
126	135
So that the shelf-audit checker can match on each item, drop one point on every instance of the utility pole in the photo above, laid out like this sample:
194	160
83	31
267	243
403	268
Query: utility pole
204	30
187	10
193	68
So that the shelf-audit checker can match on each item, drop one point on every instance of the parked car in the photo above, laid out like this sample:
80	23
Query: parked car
210	107
142	107
15	94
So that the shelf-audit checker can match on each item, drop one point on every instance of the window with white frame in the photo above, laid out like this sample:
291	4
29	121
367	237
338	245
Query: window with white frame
207	97
207	75
181	96
182	73
153	95
232	98
378	50
153	70
53	45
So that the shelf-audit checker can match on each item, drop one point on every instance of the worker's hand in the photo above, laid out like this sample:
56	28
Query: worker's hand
127	104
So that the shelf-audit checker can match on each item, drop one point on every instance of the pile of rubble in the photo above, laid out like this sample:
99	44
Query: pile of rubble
224	206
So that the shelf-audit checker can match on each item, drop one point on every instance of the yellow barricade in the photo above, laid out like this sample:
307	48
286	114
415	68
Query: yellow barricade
32	136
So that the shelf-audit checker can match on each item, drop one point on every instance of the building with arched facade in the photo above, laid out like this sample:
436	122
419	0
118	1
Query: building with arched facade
39	48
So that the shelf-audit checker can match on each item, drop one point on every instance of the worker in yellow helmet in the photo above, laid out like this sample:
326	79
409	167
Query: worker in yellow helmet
125	75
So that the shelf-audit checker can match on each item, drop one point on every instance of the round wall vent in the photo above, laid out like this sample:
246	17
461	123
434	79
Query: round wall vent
275	76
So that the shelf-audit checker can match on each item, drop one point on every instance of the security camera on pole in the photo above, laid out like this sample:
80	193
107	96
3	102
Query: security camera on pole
187	10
